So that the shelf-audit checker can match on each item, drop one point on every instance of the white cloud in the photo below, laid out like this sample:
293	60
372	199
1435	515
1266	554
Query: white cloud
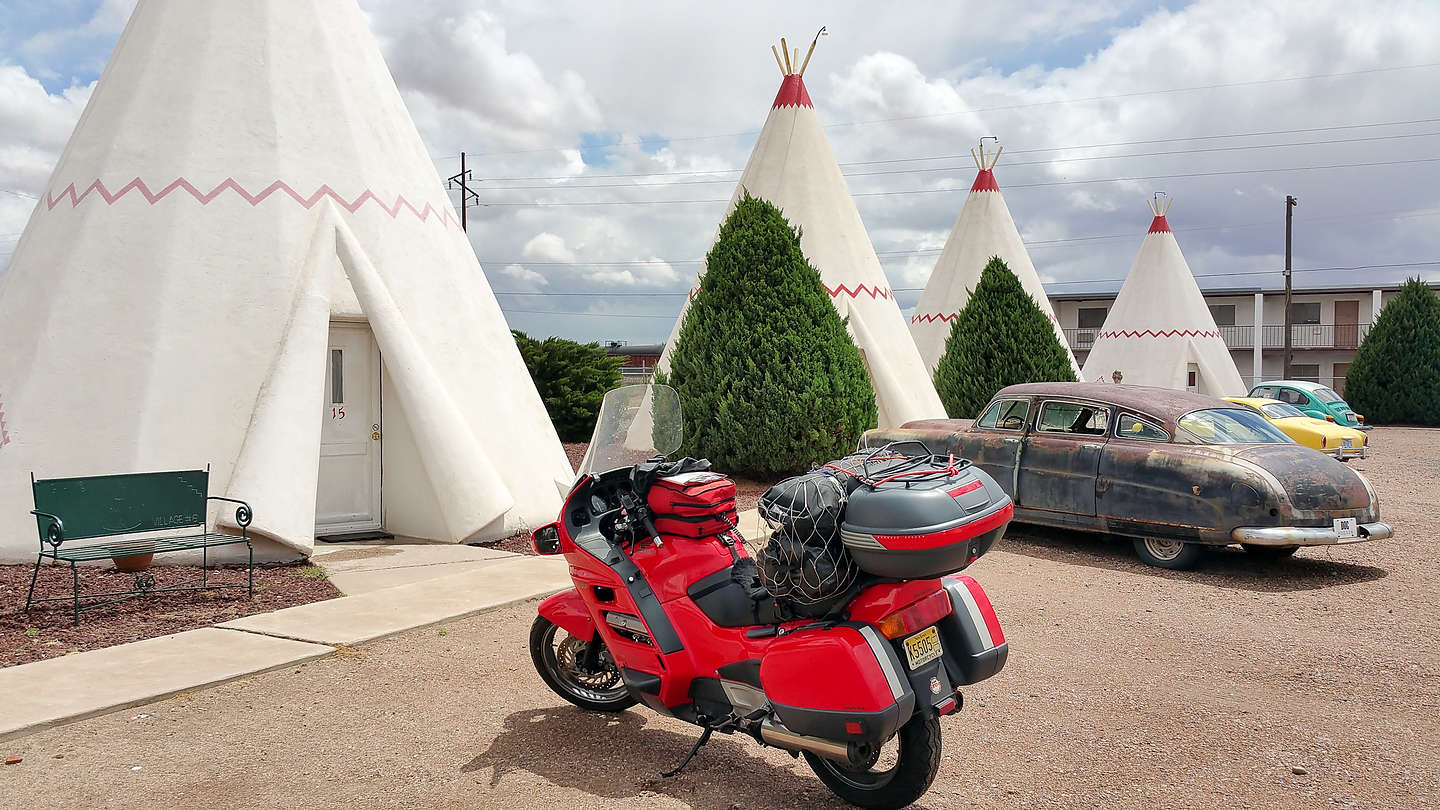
547	247
525	274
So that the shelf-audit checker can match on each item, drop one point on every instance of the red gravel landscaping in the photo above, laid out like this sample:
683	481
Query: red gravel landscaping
46	632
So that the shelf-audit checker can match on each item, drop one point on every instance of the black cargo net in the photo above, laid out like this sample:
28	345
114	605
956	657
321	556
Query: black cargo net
805	564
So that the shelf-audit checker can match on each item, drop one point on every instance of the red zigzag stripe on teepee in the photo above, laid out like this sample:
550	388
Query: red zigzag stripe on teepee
229	184
1150	333
933	317
873	292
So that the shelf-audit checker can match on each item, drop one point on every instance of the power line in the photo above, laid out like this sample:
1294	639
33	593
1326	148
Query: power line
1028	105
1368	215
1146	142
1187	175
948	169
1259	272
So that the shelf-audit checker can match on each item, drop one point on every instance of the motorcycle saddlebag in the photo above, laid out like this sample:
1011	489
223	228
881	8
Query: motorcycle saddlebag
695	504
973	645
838	683
926	522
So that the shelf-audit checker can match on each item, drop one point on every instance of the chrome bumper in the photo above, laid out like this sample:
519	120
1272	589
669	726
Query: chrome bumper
1346	453
1297	536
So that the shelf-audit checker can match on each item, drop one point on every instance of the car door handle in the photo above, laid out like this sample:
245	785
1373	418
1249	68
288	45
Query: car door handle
1088	446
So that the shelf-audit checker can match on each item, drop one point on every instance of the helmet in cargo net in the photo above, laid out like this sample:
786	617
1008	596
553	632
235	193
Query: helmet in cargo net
805	564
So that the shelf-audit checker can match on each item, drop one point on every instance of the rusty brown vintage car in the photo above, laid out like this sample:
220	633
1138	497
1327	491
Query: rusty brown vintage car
1172	470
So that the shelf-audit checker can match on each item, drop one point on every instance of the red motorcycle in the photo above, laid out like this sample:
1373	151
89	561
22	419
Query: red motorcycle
844	639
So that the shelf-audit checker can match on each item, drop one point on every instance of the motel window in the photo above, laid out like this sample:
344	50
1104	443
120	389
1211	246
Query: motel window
1092	317
1305	312
1224	314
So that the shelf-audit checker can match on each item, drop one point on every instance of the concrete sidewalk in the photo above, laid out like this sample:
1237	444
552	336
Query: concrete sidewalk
387	611
61	690
396	588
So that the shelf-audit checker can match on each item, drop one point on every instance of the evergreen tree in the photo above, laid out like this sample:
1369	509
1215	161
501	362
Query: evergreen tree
1000	338
1395	376
769	380
572	379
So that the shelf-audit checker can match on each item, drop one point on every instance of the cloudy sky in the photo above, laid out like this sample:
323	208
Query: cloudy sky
608	136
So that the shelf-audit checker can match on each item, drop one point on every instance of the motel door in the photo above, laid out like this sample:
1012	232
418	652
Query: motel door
348	496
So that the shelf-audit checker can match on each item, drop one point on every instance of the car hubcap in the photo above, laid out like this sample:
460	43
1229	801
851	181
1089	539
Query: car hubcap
1164	549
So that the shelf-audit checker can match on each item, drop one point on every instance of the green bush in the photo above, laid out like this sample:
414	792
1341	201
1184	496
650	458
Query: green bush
769	380
1395	376
572	379
1000	338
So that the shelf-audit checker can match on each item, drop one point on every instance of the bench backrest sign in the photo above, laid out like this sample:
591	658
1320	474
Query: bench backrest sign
106	505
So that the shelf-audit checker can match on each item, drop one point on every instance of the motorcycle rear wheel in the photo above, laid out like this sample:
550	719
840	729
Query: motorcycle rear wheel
605	692
898	785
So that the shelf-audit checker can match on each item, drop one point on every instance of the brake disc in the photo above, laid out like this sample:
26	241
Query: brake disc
570	655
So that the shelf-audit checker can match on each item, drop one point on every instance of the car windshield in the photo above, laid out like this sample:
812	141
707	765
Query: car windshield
1231	426
1326	395
1279	410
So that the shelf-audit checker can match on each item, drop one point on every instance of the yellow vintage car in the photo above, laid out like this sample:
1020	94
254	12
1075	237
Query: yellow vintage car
1336	440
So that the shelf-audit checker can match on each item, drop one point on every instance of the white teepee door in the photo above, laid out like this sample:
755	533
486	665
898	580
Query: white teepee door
347	498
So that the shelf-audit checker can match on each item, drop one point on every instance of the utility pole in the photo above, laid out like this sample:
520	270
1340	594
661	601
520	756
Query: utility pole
460	181
1290	203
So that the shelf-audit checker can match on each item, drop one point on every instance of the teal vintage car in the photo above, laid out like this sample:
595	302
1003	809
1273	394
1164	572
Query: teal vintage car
1314	399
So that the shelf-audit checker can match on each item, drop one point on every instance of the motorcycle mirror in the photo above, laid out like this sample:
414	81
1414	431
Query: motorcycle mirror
546	539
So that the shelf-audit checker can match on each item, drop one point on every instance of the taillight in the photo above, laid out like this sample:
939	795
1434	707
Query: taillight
916	616
1329	418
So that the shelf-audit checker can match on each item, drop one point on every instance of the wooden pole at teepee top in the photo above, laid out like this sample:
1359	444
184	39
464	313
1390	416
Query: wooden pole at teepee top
785	49
778	63
822	32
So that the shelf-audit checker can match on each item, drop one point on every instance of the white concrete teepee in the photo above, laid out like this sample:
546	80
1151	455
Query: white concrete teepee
1159	331
984	230
792	167
245	185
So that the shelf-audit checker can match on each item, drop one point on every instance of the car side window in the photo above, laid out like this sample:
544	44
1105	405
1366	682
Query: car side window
1130	427
1074	418
1006	414
1293	397
1263	393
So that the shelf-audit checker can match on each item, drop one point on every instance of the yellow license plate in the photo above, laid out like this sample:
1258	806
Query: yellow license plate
923	647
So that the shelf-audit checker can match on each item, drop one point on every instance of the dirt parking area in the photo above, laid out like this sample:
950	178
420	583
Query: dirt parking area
1308	683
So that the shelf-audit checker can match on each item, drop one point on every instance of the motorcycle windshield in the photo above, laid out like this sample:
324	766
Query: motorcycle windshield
636	422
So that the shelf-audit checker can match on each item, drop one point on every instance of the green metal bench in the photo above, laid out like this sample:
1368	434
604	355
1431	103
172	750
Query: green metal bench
71	509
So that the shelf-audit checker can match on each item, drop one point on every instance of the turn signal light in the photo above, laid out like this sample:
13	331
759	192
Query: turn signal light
916	616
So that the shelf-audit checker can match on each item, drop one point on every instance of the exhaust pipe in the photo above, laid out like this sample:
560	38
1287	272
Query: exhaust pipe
772	733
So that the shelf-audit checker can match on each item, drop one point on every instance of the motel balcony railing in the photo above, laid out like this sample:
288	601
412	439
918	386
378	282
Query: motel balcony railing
1272	336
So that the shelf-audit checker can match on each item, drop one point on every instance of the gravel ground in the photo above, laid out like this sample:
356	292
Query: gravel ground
46	631
1310	683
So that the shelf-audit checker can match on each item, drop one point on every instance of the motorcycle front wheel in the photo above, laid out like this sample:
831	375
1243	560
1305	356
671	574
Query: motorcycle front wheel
560	658
891	779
